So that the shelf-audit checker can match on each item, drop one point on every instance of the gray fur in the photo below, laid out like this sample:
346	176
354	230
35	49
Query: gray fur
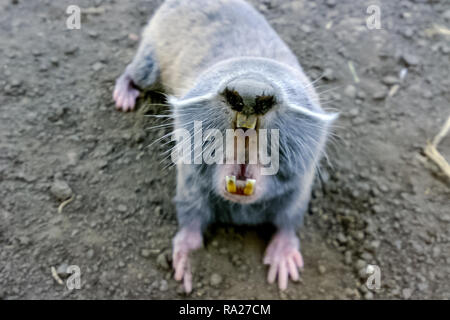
194	49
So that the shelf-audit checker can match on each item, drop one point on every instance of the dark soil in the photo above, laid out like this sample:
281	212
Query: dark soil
380	201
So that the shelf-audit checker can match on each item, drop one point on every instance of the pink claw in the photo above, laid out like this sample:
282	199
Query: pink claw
184	242
125	94
284	258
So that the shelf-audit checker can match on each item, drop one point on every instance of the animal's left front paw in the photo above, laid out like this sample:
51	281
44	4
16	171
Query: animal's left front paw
284	258
186	241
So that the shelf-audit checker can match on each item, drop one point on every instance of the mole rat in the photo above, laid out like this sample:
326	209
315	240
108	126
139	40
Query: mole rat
220	63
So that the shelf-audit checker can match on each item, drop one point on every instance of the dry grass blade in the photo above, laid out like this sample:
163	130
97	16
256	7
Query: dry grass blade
56	276
64	203
433	154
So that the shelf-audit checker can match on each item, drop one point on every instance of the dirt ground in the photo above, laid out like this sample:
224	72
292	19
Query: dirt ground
380	201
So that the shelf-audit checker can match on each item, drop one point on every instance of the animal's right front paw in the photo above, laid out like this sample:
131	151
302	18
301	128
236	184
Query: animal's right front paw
184	242
125	94
284	257
182	266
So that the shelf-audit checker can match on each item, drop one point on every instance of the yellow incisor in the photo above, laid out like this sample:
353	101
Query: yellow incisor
231	184
243	121
249	187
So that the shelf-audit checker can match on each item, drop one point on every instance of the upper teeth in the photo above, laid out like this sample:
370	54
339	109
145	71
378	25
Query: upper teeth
243	121
248	188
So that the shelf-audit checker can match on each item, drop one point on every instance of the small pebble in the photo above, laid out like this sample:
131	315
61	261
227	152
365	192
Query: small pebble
407	292
16	83
322	269
446	14
54	61
422	286
216	279
360	264
328	74
158	210
61	190
71	49
368	295
90	253
97	66
145	253
331	3
410	59
379	94
163	286
341	237
350	91
93	34
390	80
162	262
348	257
24	240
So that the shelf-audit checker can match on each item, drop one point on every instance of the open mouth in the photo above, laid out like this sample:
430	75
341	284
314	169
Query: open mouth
242	183
241	179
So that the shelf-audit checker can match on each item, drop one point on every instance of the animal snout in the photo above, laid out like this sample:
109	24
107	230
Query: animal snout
249	98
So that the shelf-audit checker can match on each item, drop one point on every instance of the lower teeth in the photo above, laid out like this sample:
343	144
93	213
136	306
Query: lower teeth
249	187
247	190
231	184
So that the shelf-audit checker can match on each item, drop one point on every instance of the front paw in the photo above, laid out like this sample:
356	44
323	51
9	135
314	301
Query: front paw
184	242
182	267
125	94
284	258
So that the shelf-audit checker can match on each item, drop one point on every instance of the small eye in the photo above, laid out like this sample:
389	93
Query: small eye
234	99
263	104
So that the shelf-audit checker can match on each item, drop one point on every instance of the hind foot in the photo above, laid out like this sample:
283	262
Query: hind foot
125	94
185	241
284	258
